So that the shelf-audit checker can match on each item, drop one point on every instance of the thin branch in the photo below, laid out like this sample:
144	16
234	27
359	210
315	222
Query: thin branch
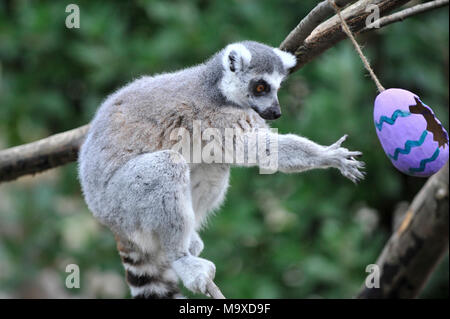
417	246
401	15
315	17
214	291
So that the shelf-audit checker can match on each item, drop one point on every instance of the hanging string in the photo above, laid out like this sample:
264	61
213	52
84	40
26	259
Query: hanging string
349	33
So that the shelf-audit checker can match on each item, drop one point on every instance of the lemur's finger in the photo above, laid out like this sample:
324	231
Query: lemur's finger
359	175
355	163
342	139
337	144
352	178
352	172
354	153
355	179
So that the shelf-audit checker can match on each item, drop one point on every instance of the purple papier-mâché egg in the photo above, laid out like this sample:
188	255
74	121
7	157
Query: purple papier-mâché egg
412	137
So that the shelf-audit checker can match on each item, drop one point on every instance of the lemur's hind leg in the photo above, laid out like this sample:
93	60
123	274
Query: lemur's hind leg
158	197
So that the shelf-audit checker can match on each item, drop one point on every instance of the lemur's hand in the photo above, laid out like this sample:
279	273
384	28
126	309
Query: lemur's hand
343	159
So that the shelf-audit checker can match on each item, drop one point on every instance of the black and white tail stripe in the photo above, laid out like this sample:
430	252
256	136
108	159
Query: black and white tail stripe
148	276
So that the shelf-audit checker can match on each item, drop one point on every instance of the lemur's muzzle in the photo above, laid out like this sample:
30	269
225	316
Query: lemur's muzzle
271	113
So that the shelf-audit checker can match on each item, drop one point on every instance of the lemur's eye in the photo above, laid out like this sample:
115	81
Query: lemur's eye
261	87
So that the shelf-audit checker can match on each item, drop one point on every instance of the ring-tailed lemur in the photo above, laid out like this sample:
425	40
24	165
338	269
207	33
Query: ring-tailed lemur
152	199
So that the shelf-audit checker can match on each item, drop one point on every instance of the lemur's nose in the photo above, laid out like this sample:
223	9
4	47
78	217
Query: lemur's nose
276	112
271	113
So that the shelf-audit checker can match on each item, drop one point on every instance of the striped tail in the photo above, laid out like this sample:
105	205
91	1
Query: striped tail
149	276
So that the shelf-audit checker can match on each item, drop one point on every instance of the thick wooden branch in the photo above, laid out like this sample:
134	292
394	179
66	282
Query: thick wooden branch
315	17
329	33
417	245
62	148
39	156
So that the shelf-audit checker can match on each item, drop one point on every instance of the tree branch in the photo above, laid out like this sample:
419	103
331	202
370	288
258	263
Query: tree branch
214	291
39	156
417	246
62	148
316	16
329	33
401	15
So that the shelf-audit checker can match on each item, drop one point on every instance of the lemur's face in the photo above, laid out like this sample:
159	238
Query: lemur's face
253	75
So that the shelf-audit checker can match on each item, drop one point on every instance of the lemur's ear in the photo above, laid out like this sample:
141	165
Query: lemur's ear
236	57
289	60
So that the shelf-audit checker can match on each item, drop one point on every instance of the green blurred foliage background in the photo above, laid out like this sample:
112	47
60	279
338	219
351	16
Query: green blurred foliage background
277	236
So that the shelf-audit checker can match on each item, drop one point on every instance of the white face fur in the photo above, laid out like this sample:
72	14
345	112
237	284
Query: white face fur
244	86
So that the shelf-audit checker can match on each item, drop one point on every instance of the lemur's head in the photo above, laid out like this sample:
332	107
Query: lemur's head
252	76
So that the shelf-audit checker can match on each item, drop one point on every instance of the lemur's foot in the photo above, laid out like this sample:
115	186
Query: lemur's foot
196	245
343	159
195	273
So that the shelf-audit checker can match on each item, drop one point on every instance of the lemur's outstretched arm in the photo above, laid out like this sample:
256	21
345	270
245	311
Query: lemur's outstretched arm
293	154
297	154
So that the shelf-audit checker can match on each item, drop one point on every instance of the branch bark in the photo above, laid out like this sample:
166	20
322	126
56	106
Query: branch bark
329	33
315	17
214	291
401	15
417	246
62	148
39	156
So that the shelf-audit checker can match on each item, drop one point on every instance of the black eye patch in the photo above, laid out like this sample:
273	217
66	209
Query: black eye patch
259	87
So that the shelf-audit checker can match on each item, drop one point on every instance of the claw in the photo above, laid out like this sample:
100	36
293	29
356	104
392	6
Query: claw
355	153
